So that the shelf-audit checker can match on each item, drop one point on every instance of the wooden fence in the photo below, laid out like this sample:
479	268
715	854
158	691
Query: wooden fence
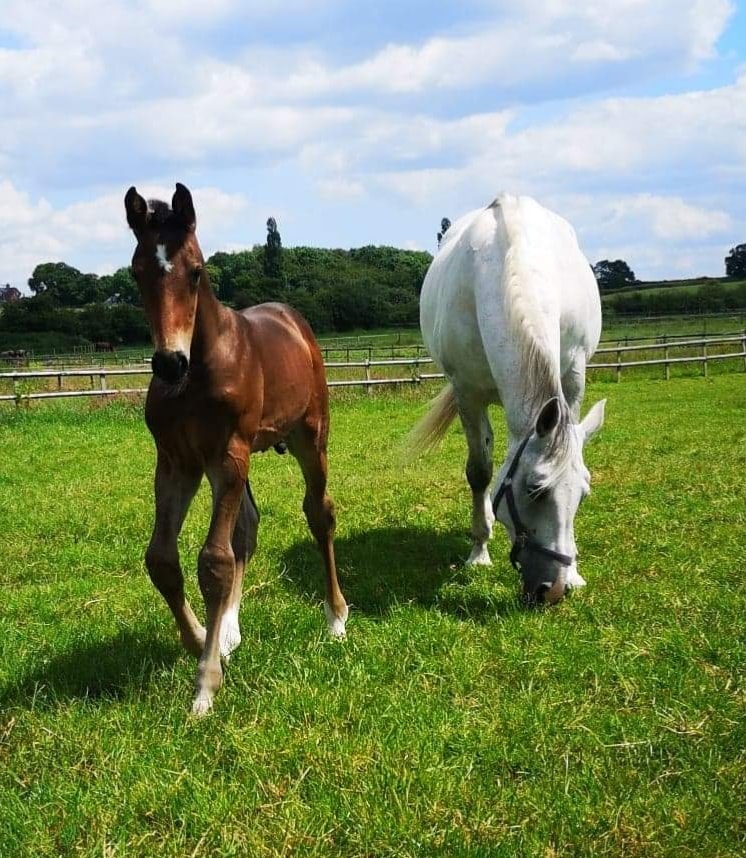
99	375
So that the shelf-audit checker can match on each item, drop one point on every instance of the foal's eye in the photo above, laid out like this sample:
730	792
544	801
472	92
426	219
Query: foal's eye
535	492
196	274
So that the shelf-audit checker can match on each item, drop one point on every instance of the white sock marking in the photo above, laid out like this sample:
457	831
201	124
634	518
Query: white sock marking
336	624
230	633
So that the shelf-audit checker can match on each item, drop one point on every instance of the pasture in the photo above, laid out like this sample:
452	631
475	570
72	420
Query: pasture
451	721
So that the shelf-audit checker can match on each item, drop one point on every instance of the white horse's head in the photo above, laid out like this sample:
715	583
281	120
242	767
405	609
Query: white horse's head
540	487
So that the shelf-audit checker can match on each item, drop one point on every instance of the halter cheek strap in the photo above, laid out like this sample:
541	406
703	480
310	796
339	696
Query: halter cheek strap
523	539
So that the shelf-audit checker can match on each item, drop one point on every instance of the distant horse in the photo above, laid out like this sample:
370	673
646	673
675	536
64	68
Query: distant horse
103	347
14	356
511	312
225	385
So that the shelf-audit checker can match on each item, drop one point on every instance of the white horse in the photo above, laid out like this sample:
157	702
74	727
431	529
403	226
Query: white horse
510	310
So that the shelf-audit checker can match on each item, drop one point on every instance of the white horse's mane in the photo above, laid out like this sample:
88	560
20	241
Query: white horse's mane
539	366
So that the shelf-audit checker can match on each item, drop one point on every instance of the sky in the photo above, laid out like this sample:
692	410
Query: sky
366	123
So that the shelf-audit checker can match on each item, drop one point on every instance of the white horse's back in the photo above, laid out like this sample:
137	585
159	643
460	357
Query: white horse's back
505	273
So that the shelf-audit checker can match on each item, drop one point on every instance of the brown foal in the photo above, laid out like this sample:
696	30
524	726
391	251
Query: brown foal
225	385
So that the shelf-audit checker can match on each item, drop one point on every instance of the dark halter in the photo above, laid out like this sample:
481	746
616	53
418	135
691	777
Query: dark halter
523	539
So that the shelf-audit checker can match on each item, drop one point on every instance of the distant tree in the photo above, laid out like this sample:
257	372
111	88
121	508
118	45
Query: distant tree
273	251
444	227
613	275
735	261
120	284
64	284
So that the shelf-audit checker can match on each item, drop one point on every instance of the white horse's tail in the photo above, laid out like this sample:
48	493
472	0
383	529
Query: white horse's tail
429	431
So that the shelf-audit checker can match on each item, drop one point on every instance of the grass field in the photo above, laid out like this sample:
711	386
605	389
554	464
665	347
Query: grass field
451	722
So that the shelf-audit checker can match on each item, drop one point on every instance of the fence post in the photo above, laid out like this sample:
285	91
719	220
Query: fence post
59	381
619	365
704	355
103	380
15	392
668	366
368	387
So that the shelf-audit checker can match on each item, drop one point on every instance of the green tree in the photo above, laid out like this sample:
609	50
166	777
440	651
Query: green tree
273	251
613	275
735	261
445	225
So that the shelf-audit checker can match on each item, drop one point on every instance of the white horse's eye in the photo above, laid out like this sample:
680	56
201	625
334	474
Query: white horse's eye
535	491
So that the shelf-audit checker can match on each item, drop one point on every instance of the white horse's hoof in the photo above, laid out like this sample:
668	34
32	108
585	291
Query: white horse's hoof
202	704
336	624
230	634
574	580
479	556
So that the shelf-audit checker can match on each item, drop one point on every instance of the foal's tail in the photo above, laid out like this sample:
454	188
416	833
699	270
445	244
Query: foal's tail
429	432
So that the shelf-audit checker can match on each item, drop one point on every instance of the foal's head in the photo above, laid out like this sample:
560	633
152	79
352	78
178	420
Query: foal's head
541	486
168	266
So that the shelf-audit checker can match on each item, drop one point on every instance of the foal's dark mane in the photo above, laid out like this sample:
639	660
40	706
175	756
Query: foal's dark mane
161	214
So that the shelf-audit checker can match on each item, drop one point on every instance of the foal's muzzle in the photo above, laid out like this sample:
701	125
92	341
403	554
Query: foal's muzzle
170	366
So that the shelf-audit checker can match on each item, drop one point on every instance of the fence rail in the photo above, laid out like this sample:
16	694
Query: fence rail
99	375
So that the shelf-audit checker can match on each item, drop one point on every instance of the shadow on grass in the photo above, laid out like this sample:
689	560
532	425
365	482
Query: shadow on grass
102	670
388	566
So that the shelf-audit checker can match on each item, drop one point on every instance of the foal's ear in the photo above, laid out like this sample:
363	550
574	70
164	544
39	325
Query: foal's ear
548	418
137	210
183	207
593	420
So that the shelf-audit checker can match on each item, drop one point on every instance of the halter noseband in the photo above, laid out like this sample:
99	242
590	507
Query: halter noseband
523	539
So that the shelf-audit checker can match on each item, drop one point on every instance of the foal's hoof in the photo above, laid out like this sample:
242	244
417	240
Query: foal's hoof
336	623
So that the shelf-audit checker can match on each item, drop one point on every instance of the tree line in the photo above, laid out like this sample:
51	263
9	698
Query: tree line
612	275
336	290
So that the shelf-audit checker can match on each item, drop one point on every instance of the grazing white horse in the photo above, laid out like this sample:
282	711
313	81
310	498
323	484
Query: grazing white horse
510	310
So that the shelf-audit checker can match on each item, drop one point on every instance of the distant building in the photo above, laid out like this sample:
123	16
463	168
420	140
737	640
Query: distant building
9	293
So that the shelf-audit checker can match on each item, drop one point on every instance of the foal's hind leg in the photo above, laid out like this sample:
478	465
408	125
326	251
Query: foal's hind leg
244	545
174	490
478	433
310	451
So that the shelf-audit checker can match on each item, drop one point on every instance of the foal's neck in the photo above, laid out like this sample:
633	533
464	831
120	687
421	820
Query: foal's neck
210	320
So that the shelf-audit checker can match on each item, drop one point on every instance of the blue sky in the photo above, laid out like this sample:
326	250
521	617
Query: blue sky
366	123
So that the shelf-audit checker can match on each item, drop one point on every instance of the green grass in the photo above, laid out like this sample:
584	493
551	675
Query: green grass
619	330
451	722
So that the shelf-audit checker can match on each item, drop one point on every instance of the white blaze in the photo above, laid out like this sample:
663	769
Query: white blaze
160	255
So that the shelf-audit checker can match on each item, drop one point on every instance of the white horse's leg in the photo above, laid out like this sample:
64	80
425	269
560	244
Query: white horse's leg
573	387
479	475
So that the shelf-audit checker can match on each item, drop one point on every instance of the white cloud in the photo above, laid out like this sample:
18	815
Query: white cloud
100	91
341	188
90	234
673	219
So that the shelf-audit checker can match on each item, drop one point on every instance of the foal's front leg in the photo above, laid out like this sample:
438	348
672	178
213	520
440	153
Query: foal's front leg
217	565
174	490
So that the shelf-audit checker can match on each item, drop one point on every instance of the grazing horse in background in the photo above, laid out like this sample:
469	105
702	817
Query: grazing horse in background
225	385
510	310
